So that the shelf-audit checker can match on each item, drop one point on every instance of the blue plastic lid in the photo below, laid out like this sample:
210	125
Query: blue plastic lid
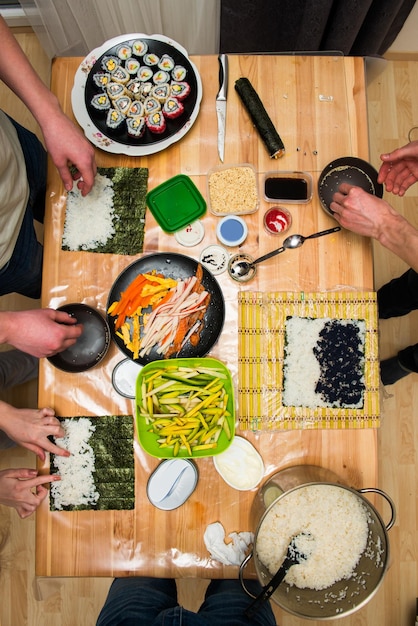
232	230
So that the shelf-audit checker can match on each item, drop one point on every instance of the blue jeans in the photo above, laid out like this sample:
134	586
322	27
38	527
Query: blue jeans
153	602
23	272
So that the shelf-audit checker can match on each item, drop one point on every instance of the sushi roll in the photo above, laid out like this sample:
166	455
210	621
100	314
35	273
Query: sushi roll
145	74
132	66
124	52
161	92
172	108
161	77
146	89
151	105
101	102
139	47
121	75
136	109
101	79
115	90
166	63
114	118
180	90
123	104
135	126
179	73
110	63
133	88
156	122
151	59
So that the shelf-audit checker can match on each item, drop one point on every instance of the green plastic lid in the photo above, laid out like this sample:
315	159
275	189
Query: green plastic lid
176	203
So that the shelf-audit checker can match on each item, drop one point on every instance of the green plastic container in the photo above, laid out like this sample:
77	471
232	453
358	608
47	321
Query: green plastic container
149	440
176	203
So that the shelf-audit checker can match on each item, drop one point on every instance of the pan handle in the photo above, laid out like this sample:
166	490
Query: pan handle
241	575
388	500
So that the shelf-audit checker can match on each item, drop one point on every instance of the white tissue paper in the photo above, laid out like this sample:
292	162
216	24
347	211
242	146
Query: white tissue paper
232	553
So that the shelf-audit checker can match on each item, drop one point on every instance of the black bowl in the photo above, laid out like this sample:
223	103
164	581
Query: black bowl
92	345
351	170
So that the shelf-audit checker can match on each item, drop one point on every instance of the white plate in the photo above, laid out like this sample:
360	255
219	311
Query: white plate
94	134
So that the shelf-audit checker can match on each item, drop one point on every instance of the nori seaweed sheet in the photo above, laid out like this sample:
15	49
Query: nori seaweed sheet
114	476
130	185
260	118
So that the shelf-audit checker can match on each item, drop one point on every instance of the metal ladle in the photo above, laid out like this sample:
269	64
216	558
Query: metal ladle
293	241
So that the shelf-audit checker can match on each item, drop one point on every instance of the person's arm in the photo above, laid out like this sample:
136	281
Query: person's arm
64	141
39	332
23	489
31	428
367	215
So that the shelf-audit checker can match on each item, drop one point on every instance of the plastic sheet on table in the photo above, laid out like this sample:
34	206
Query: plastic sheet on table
262	348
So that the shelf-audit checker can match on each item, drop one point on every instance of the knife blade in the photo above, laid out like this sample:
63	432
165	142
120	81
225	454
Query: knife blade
221	103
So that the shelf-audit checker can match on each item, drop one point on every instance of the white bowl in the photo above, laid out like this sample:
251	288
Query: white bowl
240	466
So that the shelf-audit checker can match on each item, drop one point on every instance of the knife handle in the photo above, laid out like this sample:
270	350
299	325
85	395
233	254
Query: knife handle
223	77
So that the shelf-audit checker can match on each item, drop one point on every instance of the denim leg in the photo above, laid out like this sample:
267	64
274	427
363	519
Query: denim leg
226	601
16	368
134	601
399	296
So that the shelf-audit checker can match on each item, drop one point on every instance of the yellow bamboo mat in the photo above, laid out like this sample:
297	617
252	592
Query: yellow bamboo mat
261	329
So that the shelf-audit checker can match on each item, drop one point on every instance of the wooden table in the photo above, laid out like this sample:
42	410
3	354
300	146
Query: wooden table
318	105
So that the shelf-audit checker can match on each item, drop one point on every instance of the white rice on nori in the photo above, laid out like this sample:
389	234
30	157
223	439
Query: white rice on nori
76	487
89	220
324	363
335	526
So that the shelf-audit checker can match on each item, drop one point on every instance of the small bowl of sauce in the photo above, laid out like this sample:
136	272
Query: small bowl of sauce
277	220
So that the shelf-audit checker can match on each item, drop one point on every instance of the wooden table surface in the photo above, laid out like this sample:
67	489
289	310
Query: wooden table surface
318	105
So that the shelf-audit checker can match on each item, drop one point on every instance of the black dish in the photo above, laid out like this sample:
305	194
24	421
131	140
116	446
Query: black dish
351	170
92	345
176	266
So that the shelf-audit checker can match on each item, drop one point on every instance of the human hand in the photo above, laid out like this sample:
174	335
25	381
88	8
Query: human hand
400	168
31	428
39	332
23	489
67	147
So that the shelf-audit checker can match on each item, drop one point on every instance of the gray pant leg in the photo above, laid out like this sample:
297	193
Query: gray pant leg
17	367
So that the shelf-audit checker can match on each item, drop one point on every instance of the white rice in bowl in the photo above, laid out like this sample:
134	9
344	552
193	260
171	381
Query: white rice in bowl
334	526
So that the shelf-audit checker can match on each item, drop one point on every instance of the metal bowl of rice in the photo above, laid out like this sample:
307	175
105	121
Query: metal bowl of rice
349	547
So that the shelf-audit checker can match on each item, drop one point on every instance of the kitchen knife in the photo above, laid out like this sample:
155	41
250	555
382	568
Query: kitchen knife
221	103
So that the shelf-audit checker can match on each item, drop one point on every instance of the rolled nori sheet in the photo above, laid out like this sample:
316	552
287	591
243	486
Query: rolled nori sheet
260	118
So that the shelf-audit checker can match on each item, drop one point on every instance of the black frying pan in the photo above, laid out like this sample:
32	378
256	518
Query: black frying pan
351	170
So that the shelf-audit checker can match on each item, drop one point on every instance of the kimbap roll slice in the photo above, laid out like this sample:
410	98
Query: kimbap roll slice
145	74
156	122
180	90
101	102
166	63
101	79
151	105
179	73
123	104
110	63
134	88
139	47
136	126
161	77
132	66
136	109
115	90
124	52
114	118
172	108
151	59
161	92
146	89
121	75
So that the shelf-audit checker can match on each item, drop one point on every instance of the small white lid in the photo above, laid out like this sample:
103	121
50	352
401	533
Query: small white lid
191	235
171	483
241	466
232	230
215	259
124	377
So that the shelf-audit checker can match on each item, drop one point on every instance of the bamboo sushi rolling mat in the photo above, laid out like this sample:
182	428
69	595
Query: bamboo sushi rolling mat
261	328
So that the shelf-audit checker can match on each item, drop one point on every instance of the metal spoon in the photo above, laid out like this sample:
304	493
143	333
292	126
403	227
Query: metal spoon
295	241
293	557
243	267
